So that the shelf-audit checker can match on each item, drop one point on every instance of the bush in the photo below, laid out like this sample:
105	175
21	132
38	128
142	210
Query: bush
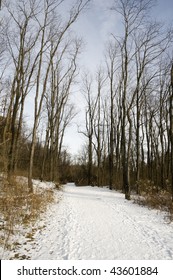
155	198
147	187
18	208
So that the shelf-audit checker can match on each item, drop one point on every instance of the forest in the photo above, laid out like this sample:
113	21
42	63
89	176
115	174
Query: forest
128	100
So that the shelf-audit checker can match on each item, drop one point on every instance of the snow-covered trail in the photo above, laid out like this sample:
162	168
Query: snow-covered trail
94	223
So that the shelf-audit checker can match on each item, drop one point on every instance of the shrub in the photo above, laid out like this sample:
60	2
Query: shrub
156	198
18	208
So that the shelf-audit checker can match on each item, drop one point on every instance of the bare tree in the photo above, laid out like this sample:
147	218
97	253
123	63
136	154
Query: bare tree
171	128
99	123
139	51
149	47
48	25
20	43
59	112
112	66
90	112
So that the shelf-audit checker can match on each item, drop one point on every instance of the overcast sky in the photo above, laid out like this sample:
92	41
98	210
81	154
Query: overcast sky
95	26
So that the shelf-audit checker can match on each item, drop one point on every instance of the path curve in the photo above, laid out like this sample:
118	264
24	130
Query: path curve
92	223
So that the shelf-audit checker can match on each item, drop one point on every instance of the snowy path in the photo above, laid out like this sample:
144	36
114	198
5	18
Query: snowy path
93	223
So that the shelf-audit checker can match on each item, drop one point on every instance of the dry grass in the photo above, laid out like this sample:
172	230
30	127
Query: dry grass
155	198
18	208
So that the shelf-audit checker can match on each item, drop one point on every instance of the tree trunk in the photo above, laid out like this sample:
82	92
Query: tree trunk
171	128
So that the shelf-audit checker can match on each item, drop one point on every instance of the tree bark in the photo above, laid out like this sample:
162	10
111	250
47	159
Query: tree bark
171	128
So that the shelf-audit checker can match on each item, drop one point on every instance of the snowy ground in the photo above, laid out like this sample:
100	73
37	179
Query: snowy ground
95	223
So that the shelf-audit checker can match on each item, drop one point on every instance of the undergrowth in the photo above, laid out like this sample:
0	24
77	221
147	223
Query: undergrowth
155	198
19	208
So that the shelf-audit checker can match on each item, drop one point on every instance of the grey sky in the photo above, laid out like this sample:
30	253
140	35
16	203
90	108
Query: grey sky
95	26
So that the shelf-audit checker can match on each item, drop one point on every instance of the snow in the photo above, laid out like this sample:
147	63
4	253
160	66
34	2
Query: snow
37	185
91	223
43	185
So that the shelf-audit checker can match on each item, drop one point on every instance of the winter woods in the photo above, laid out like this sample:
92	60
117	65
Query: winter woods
128	100
131	117
38	63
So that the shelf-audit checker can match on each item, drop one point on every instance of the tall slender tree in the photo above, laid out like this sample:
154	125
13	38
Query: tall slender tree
171	127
